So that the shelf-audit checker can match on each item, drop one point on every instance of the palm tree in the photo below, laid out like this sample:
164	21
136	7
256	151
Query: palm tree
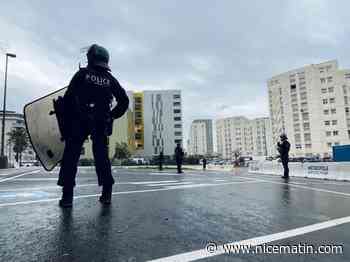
19	139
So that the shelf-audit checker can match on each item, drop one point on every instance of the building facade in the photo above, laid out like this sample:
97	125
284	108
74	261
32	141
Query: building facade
14	120
248	137
201	137
311	106
162	116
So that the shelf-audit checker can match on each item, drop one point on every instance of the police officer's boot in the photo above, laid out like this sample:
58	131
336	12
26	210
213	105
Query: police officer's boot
67	197
106	197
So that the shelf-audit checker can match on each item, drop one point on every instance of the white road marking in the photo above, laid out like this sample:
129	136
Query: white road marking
169	184
23	174
151	182
203	253
299	186
37	179
126	192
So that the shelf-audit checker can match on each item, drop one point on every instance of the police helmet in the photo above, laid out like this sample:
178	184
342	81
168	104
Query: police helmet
283	136
98	56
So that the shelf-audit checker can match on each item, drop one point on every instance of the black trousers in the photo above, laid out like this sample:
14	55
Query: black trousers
179	165
285	167
71	156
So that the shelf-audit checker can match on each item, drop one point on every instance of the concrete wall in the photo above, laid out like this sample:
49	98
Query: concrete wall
322	170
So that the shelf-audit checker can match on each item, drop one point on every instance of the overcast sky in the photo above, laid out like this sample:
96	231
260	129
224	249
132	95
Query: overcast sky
219	53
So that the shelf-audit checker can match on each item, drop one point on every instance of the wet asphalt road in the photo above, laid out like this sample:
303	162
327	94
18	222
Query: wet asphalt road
157	215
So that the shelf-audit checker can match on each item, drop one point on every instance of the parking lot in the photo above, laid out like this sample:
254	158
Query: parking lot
163	216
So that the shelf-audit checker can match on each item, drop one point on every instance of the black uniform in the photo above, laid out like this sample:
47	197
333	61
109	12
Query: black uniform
204	163
283	149
161	160
87	111
179	154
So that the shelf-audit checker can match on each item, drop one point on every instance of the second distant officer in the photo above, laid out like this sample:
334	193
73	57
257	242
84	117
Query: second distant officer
283	148
179	155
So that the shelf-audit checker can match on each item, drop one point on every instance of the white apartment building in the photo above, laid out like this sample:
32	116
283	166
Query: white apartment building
201	137
162	122
249	137
311	105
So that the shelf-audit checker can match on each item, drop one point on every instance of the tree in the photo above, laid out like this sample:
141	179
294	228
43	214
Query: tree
18	137
121	151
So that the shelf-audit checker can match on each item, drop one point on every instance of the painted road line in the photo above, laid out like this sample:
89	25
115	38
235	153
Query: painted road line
303	187
220	250
36	179
169	184
23	174
127	192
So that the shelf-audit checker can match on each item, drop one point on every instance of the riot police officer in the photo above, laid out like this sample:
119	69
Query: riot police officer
179	154
283	148
87	111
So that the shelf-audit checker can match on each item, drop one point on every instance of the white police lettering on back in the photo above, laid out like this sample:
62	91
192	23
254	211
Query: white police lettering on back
97	80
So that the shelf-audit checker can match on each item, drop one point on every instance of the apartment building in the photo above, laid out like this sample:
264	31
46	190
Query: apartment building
311	105
249	137
201	137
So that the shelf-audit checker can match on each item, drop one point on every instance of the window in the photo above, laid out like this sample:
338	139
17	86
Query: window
306	126
307	137
336	143
177	125
323	80
178	141
326	112
327	123
303	104
177	118
325	101
324	90
331	89
178	133
334	122
177	111
308	145
305	116
329	79
293	86
329	144
328	133
177	96
345	100
177	103
349	134
333	111
335	133
332	100
346	109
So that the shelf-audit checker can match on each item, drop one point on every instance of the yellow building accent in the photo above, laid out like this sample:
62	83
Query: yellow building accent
139	121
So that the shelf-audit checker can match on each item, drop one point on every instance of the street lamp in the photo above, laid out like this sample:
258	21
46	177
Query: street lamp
4	107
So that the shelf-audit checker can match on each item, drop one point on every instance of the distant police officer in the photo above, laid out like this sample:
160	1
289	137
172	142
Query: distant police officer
179	154
161	160
204	163
87	111
283	148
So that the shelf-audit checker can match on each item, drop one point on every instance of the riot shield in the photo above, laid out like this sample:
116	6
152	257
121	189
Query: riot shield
44	130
